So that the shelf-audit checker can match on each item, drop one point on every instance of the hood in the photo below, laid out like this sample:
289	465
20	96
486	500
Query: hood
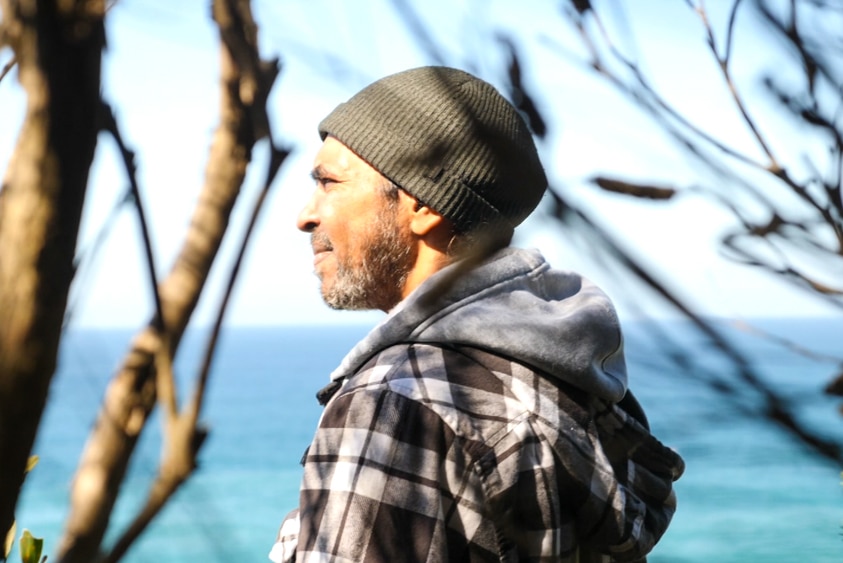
516	306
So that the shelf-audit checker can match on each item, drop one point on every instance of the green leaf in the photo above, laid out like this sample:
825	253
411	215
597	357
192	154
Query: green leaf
10	540
31	463
30	548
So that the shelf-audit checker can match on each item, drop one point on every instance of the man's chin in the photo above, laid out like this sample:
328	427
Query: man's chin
333	300
344	302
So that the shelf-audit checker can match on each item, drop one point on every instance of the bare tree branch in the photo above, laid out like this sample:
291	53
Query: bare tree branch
7	68
772	405
109	124
774	178
419	31
245	84
183	431
723	63
645	191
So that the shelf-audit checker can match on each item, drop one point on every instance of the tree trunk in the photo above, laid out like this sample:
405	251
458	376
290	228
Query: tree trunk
58	47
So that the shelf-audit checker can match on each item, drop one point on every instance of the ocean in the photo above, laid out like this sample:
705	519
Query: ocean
750	492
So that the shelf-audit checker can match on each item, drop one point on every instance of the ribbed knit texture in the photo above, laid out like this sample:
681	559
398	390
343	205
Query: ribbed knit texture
450	140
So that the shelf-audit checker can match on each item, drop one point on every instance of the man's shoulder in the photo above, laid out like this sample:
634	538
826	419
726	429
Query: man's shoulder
431	362
466	394
471	379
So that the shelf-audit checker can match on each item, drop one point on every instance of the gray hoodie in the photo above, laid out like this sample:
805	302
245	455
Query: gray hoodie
517	306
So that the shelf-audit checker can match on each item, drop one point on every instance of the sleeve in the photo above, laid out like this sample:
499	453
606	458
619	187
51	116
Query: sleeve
378	484
641	472
284	549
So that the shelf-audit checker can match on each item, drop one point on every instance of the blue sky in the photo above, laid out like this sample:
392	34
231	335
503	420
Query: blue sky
160	76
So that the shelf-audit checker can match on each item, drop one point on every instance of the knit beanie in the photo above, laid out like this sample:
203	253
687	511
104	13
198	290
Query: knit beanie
450	140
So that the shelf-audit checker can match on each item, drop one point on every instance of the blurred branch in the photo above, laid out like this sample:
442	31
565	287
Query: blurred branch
773	405
419	31
810	110
109	124
7	68
687	136
182	441
277	158
519	94
183	431
131	395
40	209
684	134
785	270
648	98
730	30
784	343
723	62
810	49
644	191
84	256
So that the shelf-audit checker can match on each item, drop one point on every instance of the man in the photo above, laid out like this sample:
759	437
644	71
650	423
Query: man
486	417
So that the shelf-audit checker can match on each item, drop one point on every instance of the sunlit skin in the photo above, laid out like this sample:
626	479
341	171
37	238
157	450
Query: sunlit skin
355	226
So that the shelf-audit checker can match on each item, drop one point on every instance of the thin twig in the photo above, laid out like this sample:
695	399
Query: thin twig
799	279
774	406
654	100
419	31
277	157
730	30
87	255
109	124
7	68
723	63
655	104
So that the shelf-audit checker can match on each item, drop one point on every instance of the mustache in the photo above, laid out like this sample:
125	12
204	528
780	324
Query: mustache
320	242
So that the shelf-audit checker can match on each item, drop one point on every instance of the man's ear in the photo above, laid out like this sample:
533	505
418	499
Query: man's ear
424	220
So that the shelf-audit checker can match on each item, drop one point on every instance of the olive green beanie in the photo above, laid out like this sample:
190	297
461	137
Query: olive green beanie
450	140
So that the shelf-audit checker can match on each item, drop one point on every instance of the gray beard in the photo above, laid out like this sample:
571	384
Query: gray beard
378	281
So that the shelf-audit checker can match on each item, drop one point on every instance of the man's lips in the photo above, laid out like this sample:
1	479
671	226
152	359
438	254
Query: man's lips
321	247
319	255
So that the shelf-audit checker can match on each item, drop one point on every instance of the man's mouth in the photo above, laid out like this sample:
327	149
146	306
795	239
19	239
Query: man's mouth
321	247
318	257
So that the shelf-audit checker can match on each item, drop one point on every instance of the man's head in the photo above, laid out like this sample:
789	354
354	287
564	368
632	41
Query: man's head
464	162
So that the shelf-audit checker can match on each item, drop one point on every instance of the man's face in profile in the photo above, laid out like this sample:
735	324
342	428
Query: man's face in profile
363	248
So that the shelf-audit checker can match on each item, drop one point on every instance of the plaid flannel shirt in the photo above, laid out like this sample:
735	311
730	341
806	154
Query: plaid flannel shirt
430	453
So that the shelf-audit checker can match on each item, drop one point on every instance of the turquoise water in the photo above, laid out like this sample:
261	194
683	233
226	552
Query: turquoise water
750	493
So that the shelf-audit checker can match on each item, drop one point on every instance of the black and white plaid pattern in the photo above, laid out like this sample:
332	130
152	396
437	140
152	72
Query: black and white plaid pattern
430	453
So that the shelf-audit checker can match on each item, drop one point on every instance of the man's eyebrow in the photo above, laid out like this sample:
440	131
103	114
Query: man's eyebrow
319	172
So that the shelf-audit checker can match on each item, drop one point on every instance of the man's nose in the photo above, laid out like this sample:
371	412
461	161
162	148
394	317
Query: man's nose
308	220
